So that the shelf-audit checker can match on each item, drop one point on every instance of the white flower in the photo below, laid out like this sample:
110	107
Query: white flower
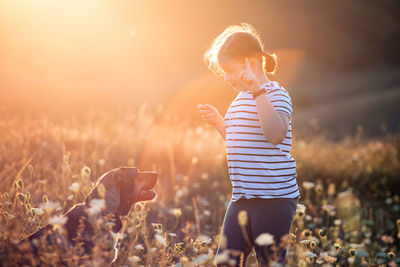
96	205
38	211
74	187
177	212
49	206
160	239
264	239
172	234
58	220
139	246
203	238
222	257
310	254
308	185
328	207
134	259
301	208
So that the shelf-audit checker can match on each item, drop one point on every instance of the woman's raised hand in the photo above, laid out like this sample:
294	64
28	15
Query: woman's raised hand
209	113
248	76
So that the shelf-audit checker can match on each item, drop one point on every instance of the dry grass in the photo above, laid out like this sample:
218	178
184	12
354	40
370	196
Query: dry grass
349	211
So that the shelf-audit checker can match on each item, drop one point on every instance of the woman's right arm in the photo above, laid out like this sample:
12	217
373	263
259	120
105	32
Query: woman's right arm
211	115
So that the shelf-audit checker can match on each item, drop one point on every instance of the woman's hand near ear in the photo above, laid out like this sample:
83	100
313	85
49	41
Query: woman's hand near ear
249	78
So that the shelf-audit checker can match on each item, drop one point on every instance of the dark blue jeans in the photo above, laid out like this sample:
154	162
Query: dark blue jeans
273	216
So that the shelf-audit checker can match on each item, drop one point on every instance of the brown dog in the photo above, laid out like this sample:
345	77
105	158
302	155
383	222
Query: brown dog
120	189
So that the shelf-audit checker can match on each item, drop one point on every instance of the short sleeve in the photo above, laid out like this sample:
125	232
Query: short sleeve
282	102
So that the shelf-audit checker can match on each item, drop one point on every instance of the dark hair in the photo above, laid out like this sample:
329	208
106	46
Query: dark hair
237	42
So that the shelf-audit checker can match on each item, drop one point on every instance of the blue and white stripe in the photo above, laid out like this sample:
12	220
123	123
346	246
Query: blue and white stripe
257	167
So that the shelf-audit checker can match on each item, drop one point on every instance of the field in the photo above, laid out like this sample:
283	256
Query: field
349	211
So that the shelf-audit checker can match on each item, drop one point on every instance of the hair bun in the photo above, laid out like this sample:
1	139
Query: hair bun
270	62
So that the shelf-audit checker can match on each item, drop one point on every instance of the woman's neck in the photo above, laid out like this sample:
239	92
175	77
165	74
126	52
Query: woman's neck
260	74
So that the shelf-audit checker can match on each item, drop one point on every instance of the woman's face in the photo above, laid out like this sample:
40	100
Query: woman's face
232	70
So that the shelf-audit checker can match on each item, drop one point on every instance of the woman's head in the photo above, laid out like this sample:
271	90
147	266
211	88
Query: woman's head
236	43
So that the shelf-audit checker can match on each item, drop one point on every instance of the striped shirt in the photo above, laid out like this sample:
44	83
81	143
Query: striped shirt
258	168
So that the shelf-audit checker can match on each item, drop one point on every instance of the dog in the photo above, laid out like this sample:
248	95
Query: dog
120	188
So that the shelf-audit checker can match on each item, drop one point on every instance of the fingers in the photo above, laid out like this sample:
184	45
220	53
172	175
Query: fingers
248	66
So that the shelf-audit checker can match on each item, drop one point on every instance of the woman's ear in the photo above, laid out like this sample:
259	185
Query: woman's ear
254	62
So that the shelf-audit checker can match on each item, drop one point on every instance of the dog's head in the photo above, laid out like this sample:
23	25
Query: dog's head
124	186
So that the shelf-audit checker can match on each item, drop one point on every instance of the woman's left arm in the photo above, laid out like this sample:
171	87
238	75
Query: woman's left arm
273	124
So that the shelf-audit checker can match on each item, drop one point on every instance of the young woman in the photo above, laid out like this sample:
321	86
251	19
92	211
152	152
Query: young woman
257	131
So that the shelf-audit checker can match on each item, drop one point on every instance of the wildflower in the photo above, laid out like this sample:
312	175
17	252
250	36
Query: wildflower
74	187
242	217
328	207
222	257
96	205
301	207
139	247
391	255
336	246
323	231
330	259
172	234
352	251
264	239
302	263
157	227
160	239
207	212
313	244
177	212
38	211
305	241
300	210
204	238
85	173
139	206
337	222
307	233
308	185
134	259
310	254
49	206
58	220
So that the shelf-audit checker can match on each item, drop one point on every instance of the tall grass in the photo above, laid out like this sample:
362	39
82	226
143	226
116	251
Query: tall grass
349	211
